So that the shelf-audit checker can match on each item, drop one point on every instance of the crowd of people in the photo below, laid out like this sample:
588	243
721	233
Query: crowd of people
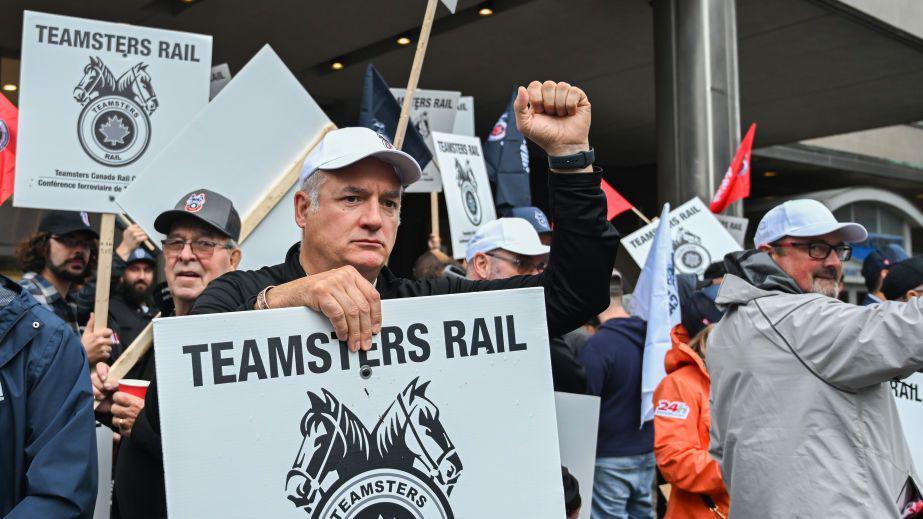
775	403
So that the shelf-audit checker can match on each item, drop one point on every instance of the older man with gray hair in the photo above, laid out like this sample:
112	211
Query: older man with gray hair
349	211
803	421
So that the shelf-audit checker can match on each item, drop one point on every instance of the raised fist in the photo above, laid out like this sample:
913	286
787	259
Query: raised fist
556	116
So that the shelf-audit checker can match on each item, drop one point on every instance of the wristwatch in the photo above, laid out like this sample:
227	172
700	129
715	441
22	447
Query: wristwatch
576	161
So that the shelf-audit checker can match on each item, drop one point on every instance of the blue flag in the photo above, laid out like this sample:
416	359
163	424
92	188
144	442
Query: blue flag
656	300
380	112
507	157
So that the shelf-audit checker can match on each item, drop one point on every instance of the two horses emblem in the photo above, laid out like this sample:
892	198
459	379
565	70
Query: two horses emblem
405	468
468	185
114	126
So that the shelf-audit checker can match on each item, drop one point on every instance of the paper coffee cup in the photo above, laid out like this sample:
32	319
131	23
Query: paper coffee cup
134	387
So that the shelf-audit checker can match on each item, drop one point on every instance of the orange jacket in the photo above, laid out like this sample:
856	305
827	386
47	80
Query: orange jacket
681	425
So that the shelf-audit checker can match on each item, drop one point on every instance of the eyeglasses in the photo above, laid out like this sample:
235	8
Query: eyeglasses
203	249
73	242
820	250
521	265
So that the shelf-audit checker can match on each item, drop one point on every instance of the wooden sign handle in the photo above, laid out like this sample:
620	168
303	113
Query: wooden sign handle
281	187
104	271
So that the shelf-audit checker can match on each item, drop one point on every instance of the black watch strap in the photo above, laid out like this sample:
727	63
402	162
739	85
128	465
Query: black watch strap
576	161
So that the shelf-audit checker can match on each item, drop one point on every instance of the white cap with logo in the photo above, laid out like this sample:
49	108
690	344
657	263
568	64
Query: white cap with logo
346	146
804	218
513	234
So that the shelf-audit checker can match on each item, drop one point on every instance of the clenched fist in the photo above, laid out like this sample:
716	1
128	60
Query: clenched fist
556	116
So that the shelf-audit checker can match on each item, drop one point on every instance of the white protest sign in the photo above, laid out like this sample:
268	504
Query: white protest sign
578	426
464	119
221	74
104	468
698	239
98	102
455	417
450	4
736	226
431	111
238	145
465	185
909	400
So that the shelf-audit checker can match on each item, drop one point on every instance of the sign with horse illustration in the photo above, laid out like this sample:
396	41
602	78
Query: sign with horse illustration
98	101
450	414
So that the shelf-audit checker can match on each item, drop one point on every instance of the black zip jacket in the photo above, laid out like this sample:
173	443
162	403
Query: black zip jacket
576	281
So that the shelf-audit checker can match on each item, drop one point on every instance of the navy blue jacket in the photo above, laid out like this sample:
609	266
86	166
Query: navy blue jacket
47	434
612	360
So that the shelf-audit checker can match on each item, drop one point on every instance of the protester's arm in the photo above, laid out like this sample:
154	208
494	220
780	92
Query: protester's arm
61	479
855	347
146	430
681	459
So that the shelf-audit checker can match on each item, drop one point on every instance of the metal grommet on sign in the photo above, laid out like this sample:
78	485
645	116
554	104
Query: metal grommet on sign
36	324
365	371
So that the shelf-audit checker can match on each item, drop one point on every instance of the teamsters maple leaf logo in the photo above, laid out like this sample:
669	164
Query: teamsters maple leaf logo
114	130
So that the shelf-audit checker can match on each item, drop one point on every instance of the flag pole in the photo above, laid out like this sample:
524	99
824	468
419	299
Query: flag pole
641	215
404	119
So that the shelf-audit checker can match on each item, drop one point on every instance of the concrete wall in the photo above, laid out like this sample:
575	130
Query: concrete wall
906	15
902	144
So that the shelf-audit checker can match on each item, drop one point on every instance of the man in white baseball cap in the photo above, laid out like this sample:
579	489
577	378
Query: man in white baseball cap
349	205
504	248
800	391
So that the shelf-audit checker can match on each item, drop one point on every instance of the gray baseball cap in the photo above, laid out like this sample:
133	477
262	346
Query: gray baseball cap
208	207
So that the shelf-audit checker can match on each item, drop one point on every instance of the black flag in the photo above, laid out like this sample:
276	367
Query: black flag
380	113
507	158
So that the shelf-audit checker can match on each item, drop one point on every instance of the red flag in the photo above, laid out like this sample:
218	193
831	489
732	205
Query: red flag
736	183
615	203
9	116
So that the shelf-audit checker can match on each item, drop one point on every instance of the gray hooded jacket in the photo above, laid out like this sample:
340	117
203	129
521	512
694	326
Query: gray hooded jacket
803	421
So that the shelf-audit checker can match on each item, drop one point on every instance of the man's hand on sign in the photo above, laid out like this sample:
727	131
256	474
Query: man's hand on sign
132	238
556	116
350	302
125	409
98	344
103	388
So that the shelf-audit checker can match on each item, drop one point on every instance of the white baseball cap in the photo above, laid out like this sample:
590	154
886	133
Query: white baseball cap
512	234
803	218
345	146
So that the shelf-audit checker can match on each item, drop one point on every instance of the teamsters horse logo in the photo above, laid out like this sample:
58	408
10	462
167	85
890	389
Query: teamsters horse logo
469	191
404	469
689	255
113	126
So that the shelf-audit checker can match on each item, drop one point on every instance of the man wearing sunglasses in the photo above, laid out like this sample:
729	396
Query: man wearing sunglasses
803	420
509	247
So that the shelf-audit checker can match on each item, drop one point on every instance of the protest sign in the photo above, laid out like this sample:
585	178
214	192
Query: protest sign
465	186
578	426
908	395
98	102
698	239
214	150
430	111
736	227
221	74
104	470
451	414
464	119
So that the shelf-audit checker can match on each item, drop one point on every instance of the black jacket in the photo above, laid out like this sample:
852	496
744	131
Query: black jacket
576	281
576	288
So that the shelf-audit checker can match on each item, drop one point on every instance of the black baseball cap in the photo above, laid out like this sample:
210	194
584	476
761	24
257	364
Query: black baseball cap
208	207
903	276
141	254
882	259
698	311
60	223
